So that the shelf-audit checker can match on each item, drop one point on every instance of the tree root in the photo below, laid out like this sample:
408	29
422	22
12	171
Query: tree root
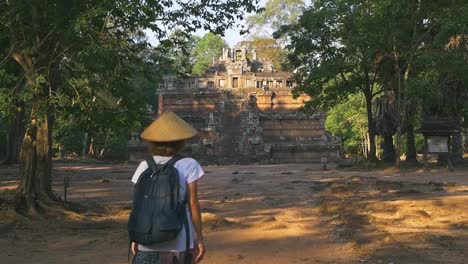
51	209
39	206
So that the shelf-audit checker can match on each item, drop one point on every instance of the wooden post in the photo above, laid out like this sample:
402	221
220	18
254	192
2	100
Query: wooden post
160	103
66	184
425	152
85	144
449	160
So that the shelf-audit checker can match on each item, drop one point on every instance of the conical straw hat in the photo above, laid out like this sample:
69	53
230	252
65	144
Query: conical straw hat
168	127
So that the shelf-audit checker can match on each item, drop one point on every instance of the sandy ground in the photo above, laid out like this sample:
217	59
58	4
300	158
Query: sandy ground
260	214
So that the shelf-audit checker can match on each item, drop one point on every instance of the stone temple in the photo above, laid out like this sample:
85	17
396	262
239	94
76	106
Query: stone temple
245	112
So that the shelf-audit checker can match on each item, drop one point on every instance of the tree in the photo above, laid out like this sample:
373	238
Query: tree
421	67
269	49
335	46
441	86
177	55
71	51
348	120
275	14
384	49
209	47
12	112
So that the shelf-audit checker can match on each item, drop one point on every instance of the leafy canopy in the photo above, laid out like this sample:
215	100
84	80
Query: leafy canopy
89	61
275	14
348	120
209	47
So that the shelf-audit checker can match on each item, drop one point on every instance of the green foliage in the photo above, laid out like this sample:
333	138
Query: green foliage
347	47
68	137
336	49
268	48
275	14
106	143
181	56
87	63
3	135
8	106
436	59
7	80
419	144
208	47
348	120
116	146
176	55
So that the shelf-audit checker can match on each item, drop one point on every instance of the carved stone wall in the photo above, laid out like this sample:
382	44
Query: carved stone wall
242	126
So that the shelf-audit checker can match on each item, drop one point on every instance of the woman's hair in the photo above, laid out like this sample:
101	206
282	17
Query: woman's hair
166	148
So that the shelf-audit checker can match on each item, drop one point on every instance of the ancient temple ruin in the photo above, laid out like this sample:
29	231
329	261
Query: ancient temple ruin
245	111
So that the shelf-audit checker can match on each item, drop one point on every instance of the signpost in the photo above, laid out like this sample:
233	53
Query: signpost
437	137
66	184
438	144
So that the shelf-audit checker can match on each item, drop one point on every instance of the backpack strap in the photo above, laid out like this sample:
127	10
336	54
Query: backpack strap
174	159
152	164
188	255
155	167
173	181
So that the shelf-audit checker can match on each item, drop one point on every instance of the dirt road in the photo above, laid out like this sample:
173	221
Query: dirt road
266	214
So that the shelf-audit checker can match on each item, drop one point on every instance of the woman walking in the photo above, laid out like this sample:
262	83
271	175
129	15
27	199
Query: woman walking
166	138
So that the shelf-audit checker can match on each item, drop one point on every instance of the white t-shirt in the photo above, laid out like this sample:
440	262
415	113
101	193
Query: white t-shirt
189	171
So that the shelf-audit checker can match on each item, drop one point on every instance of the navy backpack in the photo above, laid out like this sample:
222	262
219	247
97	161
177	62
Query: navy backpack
158	214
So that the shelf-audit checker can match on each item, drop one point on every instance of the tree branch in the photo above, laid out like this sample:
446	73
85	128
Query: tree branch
378	92
344	78
8	55
27	65
373	78
45	38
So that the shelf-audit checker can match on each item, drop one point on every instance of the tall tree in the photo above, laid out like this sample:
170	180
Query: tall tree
421	65
348	120
274	15
178	54
12	111
268	49
57	43
11	102
377	48
209	47
334	49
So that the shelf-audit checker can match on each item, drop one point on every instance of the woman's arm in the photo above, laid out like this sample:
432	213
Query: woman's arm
196	219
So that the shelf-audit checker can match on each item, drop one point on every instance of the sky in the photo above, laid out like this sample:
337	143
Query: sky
232	36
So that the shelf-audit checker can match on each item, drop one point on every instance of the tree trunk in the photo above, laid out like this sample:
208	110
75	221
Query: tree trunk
35	47
34	194
456	153
371	128
91	147
364	145
15	135
388	154
411	155
397	155
85	144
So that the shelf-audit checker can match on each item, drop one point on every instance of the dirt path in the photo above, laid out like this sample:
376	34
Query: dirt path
263	214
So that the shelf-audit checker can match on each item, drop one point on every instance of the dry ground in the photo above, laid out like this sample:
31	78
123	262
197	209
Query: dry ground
260	214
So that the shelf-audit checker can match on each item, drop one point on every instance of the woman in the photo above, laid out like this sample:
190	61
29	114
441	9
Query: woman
166	137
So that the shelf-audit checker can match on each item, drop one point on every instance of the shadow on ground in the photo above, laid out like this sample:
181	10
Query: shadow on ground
261	214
